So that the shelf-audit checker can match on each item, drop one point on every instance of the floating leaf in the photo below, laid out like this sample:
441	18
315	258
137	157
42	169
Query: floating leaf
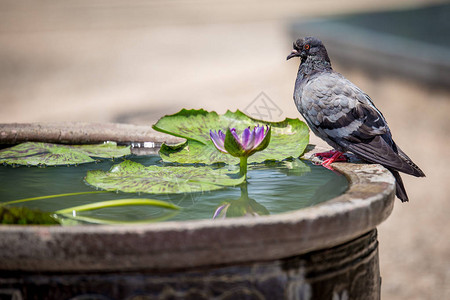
105	150
289	137
195	152
132	177
38	154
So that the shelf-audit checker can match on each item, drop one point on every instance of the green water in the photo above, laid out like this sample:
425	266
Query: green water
279	187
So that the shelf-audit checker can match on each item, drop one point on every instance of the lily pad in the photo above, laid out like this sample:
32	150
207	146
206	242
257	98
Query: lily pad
45	154
133	177
105	150
289	137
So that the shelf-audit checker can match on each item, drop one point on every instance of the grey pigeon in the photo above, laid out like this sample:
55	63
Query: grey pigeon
343	115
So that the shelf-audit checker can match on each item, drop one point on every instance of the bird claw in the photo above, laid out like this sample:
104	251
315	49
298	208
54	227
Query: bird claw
329	154
330	157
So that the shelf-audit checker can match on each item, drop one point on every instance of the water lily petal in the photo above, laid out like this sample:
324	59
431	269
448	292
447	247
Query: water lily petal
245	137
222	135
265	141
218	139
259	135
251	141
219	210
235	135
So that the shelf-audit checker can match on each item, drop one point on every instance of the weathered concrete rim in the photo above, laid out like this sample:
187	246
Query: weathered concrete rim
80	133
179	245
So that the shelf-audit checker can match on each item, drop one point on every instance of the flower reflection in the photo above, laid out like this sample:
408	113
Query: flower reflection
244	206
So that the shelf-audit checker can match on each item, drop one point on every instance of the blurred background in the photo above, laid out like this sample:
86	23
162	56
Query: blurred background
135	61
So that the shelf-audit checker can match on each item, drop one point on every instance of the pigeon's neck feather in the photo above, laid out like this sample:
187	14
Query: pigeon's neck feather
314	65
309	68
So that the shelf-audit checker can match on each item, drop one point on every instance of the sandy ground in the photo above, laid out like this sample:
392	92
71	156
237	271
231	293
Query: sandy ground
135	63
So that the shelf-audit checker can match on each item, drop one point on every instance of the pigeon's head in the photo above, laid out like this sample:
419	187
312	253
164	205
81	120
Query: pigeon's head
309	47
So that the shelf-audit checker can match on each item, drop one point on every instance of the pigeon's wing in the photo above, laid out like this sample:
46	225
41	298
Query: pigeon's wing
376	150
419	172
347	117
340	111
373	145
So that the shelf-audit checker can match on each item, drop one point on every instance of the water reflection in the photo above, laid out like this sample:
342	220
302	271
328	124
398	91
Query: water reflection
244	206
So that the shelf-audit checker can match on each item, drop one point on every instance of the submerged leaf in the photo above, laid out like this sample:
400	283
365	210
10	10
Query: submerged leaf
289	138
39	154
132	177
24	216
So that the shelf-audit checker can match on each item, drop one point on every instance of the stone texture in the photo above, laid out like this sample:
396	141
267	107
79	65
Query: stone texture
347	271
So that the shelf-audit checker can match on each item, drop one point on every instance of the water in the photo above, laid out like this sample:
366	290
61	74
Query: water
278	187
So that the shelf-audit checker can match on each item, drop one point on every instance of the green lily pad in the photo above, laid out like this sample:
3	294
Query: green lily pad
105	150
40	154
289	137
133	177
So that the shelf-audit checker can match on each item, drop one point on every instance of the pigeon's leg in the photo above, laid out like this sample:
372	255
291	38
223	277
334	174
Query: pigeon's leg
337	156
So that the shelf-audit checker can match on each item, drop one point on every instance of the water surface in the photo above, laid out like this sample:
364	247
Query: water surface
279	187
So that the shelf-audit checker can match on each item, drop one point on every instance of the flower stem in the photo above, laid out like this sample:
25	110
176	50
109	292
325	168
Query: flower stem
243	166
244	190
115	203
52	196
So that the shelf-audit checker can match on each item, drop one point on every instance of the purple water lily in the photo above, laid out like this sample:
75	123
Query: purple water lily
250	142
242	146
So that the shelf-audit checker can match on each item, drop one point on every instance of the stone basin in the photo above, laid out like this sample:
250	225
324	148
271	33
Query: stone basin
328	251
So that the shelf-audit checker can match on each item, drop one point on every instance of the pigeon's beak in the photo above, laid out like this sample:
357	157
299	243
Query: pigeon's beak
293	54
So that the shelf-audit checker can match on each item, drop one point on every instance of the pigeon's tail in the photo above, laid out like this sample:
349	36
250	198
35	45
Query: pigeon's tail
400	190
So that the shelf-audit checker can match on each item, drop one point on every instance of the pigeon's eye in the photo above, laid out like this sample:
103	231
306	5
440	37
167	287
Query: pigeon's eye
306	47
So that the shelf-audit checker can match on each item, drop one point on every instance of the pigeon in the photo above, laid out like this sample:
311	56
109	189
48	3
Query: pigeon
340	113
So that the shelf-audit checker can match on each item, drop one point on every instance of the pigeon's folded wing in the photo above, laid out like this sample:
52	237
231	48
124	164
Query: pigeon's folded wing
340	110
373	141
350	119
378	151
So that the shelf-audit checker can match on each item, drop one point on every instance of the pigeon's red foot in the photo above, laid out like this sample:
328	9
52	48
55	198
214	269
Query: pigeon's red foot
330	157
327	154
